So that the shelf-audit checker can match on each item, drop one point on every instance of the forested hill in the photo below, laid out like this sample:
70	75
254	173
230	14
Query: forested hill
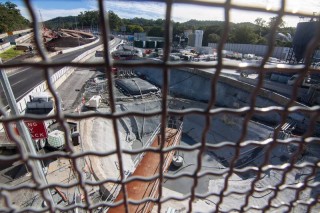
11	18
243	33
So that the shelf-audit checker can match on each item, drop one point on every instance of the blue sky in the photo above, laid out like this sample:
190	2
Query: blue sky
181	12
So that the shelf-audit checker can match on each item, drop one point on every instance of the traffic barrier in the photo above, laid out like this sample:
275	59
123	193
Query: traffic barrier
3	35
80	47
4	47
24	38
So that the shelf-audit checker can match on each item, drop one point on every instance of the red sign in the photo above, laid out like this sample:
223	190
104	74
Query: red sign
37	129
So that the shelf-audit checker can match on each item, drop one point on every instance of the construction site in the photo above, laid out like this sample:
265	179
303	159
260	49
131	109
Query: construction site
139	90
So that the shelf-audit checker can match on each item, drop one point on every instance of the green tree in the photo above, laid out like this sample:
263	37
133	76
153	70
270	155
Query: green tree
11	19
272	22
134	29
216	28
156	31
177	28
114	21
89	18
261	27
243	34
260	22
213	38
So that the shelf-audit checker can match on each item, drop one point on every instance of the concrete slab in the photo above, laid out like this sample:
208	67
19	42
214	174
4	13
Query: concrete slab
97	135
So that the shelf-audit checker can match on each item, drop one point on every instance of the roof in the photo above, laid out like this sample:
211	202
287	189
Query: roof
136	86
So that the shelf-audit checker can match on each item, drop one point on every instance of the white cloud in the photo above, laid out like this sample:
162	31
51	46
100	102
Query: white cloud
185	12
131	9
48	14
182	12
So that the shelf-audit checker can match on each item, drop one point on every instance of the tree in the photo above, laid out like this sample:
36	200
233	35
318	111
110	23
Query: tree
89	18
260	22
156	31
114	21
213	29
213	38
133	28
272	23
11	19
243	34
177	28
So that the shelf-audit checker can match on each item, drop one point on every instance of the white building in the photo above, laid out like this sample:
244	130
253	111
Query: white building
198	38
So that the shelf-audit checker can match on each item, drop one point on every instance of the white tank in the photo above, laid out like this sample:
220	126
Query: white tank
177	160
56	139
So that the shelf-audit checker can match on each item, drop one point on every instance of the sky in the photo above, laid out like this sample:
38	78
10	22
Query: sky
180	13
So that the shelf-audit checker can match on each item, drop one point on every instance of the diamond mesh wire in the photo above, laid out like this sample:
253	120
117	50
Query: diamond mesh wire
305	191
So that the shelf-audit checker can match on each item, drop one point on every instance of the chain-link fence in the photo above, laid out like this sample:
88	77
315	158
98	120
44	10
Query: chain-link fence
250	149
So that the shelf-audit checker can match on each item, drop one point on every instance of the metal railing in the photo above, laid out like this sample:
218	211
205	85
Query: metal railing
310	183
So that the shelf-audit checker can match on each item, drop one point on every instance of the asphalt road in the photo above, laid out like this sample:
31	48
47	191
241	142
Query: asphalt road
26	79
15	36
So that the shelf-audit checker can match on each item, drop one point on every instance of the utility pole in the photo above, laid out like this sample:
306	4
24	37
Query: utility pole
76	23
27	146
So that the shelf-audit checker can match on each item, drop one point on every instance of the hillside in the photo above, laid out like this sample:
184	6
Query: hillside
67	22
11	18
242	33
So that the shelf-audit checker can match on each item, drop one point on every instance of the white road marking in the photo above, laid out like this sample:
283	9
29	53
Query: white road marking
17	83
15	73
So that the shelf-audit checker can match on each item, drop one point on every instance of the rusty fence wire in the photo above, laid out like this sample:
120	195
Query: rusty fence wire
303	191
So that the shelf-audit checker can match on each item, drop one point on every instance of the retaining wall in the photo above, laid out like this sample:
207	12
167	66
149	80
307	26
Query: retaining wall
259	50
230	93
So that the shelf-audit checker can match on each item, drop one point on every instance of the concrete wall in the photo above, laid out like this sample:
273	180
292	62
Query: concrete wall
230	93
259	50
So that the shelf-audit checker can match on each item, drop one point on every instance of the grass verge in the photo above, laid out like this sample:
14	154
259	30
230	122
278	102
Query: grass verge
10	54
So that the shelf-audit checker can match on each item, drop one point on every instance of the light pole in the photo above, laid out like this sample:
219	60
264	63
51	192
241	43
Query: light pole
27	146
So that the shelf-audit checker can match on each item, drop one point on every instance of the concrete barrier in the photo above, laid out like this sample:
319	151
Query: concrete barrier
80	47
24	38
3	35
5	47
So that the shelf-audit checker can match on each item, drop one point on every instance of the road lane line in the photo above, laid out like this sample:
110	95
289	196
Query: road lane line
16	83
